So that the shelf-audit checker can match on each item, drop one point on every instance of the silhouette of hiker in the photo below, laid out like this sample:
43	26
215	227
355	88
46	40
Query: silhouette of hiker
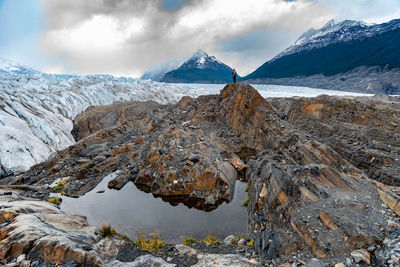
234	75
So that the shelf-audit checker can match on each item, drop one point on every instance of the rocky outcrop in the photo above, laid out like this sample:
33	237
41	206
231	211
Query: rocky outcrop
363	130
310	187
41	231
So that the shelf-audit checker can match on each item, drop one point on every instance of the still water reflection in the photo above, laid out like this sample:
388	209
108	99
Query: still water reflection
131	210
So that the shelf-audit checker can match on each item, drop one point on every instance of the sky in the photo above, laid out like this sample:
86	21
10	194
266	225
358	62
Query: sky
127	37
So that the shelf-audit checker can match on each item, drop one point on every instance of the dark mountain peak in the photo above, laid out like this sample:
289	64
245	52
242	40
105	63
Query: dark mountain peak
201	60
336	48
200	68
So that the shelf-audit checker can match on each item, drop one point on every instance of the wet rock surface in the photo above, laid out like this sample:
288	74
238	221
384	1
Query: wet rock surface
322	172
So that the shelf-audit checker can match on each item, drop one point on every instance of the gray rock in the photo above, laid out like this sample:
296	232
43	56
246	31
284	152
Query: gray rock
39	226
229	260
389	254
21	258
361	255
99	158
241	242
230	240
185	250
70	264
210	200
25	263
142	261
315	263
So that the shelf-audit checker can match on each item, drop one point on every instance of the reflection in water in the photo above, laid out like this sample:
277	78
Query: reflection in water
131	210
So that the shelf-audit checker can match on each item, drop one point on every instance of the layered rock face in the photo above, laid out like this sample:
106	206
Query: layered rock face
40	230
310	188
364	131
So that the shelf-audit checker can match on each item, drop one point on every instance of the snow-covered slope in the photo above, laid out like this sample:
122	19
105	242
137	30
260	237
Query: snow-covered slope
337	32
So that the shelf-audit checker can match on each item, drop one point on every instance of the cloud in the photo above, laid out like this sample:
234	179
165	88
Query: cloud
125	37
374	11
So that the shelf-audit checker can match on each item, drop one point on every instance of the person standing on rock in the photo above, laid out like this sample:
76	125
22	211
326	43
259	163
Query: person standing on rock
234	75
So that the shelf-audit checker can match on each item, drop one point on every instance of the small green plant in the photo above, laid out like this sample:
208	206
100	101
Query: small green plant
188	241
247	189
56	189
63	181
246	201
148	183
54	200
210	240
149	245
250	243
107	230
85	166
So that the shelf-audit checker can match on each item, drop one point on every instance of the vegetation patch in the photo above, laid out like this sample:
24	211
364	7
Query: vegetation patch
63	181
56	189
247	189
210	240
54	200
189	240
107	231
149	244
246	201
250	243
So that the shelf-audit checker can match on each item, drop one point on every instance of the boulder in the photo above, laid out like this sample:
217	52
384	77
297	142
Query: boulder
40	230
145	260
231	260
361	256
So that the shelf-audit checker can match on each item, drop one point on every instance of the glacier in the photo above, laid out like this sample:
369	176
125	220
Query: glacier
37	109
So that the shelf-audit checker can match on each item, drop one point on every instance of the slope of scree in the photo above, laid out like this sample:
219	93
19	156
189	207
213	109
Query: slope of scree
304	194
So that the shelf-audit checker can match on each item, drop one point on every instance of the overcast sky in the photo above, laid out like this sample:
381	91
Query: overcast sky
126	37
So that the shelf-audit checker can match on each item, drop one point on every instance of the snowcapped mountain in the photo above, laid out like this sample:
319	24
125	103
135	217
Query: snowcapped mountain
200	68
331	32
201	60
157	73
336	48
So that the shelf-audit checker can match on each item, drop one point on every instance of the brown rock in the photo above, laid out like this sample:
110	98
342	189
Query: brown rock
328	221
40	230
238	163
361	255
390	199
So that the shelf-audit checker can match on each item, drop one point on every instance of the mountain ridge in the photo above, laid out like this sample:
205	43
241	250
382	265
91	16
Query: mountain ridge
337	49
200	68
